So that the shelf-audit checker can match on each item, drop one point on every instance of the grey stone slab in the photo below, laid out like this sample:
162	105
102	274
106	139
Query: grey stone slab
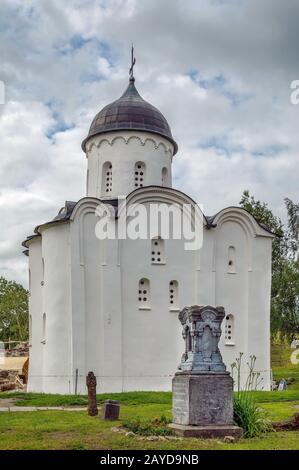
22	408
42	408
3	409
111	410
47	408
202	399
207	432
75	409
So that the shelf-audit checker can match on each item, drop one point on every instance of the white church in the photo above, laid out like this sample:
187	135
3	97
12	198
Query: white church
111	305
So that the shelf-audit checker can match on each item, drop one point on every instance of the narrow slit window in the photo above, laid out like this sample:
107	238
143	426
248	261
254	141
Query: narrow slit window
158	251
231	262
164	176
44	328
43	272
174	295
139	175
107	178
144	294
229	333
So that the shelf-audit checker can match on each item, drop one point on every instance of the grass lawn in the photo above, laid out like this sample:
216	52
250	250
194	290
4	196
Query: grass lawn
129	398
281	364
76	430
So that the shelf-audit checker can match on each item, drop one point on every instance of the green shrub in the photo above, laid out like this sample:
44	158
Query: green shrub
249	416
247	413
154	427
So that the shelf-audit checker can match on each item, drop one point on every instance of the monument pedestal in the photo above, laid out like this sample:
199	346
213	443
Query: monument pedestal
202	392
202	405
206	432
200	399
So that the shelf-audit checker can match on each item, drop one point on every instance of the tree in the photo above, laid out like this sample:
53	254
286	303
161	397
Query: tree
13	311
293	227
284	302
285	265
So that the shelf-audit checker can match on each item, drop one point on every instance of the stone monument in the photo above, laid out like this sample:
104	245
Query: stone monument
91	383
111	410
202	403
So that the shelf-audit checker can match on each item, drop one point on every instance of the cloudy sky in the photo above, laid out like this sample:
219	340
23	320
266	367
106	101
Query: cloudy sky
219	70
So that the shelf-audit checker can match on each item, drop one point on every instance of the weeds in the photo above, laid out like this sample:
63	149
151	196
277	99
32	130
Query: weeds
154	427
247	413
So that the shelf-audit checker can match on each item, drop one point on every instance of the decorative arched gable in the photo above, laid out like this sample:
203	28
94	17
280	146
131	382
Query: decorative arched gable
83	208
244	218
126	137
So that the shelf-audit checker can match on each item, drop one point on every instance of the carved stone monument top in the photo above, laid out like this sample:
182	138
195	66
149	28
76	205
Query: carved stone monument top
201	333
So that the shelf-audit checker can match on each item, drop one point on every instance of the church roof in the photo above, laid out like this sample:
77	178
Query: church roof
65	213
130	112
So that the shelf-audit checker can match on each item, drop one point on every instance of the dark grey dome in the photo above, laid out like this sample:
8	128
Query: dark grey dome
130	112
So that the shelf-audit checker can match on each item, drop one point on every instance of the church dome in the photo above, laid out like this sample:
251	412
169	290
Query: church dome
130	112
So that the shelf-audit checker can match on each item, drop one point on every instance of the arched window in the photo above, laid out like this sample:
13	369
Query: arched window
229	333
174	295
144	294
158	251
107	178
164	176
139	175
231	262
44	328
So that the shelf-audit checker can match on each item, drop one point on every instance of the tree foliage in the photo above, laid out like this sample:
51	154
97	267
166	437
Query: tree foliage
285	264
13	311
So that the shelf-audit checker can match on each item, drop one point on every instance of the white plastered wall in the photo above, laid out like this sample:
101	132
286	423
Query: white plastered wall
90	297
123	150
57	306
245	291
96	287
36	312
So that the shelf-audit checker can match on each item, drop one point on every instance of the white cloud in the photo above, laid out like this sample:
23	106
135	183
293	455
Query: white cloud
220	71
